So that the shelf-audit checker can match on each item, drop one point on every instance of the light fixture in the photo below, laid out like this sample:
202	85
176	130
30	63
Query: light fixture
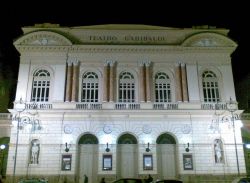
247	146
67	147
107	148
2	147
147	149
187	148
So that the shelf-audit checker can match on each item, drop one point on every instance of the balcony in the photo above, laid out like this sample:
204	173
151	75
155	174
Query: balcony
125	106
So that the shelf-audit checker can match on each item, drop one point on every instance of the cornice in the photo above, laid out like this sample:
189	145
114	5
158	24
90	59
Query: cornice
122	49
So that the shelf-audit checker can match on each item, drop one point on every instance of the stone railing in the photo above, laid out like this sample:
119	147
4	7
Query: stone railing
38	105
245	116
125	106
131	106
91	106
214	106
165	106
5	116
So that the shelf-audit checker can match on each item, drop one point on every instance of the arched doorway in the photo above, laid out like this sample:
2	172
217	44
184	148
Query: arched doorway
127	156
88	158
166	156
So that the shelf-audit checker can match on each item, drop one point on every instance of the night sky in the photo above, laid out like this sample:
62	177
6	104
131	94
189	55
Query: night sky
232	16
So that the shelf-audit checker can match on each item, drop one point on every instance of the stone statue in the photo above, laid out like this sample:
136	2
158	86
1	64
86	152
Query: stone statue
218	151
35	149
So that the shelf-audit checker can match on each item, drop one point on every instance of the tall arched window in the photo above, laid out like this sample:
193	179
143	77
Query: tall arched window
90	84
162	88
40	86
126	87
210	87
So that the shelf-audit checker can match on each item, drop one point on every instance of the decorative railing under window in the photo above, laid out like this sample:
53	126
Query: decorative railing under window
165	106
90	106
5	116
214	106
38	105
131	106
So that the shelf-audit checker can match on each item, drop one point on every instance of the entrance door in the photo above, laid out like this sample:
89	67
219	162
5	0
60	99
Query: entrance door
88	158
128	160
166	157
166	161
127	157
88	162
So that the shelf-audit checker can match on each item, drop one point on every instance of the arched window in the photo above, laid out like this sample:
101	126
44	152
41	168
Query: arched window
40	86
126	87
210	87
90	84
162	88
218	151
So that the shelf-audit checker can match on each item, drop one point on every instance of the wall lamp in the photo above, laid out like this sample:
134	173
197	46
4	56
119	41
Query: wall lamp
147	149
67	146
107	148
187	148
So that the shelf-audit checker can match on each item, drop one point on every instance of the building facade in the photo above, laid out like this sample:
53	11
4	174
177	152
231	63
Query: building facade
120	101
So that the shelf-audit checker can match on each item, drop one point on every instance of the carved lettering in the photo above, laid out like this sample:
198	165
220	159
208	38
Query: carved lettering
102	38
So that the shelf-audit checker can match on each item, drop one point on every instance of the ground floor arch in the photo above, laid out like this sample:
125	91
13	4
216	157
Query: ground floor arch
127	156
88	161
166	156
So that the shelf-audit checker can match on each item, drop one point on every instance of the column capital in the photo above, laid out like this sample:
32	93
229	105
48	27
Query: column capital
75	62
183	64
147	63
111	62
69	62
141	63
177	64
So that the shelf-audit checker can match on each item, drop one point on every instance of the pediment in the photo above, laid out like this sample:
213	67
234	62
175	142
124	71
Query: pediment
208	40
43	38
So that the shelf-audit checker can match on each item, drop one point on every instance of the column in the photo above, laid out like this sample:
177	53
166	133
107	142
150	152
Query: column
141	82
111	81
68	81
178	88
148	83
184	82
74	94
105	83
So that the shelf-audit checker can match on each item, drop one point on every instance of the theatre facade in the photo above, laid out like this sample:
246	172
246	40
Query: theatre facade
120	101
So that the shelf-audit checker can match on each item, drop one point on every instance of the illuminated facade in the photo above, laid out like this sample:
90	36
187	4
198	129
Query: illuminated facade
125	101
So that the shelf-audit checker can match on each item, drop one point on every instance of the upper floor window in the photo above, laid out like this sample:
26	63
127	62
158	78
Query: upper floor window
162	88
90	84
40	86
126	87
210	87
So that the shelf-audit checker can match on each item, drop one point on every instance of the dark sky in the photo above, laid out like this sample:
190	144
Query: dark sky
233	16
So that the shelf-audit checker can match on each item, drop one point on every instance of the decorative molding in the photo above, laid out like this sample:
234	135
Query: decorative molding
209	40
43	38
68	129
186	129
146	129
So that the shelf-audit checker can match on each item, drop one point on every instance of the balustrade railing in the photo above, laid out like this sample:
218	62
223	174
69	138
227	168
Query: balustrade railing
131	106
38	106
91	106
165	106
214	106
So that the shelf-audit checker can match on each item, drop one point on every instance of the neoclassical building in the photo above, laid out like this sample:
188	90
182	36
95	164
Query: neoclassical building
120	101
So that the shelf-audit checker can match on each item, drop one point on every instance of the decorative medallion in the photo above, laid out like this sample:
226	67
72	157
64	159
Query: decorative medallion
44	41
186	129
107	129
146	129
68	129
